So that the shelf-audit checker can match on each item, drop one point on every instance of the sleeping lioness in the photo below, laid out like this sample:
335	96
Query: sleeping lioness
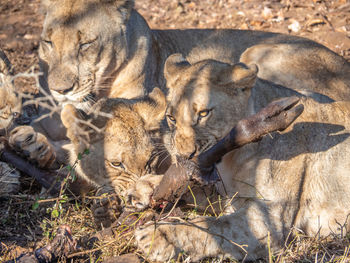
297	179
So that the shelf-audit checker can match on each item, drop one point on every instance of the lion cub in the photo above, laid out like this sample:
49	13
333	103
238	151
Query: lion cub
34	146
299	178
10	103
120	135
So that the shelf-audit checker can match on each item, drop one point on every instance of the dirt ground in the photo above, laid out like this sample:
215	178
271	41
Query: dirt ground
325	21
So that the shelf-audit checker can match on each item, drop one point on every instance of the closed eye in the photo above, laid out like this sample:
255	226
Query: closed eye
85	46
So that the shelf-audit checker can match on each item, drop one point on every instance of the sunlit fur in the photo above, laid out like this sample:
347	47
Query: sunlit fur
92	49
10	102
85	49
296	180
126	149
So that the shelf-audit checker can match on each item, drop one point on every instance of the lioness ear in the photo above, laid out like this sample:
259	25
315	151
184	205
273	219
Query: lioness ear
152	109
174	65
125	6
239	74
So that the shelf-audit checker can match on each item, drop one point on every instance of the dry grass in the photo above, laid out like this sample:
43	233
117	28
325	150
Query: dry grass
30	220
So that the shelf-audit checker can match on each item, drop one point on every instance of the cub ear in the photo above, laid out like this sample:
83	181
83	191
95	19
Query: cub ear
239	74
174	65
152	109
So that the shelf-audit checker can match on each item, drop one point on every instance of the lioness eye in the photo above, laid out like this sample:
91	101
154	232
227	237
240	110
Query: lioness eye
117	165
203	113
171	118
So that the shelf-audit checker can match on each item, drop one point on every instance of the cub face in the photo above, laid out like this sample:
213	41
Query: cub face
10	107
205	101
127	148
10	102
83	45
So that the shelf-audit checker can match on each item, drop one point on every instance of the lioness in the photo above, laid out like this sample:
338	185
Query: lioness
96	48
298	178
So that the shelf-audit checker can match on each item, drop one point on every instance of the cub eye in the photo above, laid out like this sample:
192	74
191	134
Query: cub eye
85	46
15	114
203	113
171	118
117	165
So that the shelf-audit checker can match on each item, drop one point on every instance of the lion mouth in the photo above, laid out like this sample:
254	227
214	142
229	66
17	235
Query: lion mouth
80	102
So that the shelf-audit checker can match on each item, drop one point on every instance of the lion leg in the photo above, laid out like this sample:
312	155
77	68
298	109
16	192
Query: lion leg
228	236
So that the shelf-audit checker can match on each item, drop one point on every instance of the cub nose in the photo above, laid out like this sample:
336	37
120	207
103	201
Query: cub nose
189	155
192	154
64	91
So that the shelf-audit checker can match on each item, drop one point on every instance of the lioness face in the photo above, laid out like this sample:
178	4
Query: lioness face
83	45
205	101
127	149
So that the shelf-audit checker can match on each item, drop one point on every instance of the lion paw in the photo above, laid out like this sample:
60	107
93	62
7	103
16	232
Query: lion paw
156	242
139	195
106	209
32	145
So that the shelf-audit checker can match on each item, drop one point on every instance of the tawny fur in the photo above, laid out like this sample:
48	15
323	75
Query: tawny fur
120	154
95	49
296	179
10	103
